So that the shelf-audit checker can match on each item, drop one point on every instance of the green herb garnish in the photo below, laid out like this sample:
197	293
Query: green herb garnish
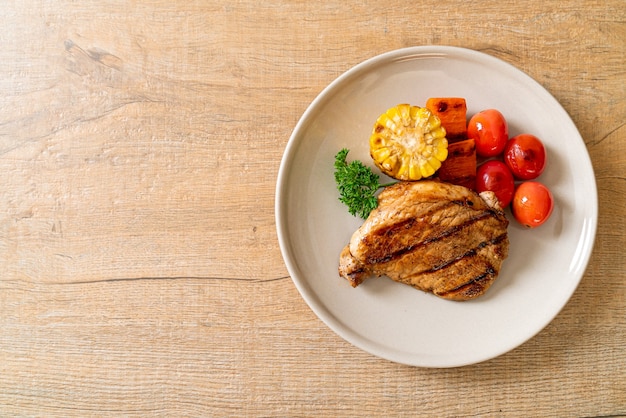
357	185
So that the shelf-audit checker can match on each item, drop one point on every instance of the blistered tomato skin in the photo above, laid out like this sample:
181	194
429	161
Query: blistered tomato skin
490	131
532	204
495	176
525	155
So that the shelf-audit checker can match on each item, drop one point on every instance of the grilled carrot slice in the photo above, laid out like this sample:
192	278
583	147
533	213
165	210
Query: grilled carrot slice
460	166
452	111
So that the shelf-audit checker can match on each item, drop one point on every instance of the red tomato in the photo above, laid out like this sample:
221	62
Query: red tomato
532	204
525	155
490	132
495	176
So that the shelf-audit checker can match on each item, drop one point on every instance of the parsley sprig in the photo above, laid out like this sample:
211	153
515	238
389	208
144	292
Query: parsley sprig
357	185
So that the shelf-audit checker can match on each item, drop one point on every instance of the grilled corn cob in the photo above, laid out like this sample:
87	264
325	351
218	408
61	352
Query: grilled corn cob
408	142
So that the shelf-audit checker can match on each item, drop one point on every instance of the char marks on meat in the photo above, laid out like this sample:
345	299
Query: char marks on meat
434	236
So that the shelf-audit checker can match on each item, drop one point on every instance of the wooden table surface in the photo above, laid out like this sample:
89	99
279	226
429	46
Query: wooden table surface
140	272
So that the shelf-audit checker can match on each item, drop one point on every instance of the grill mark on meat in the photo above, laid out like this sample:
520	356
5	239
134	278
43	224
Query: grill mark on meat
409	222
490	271
354	275
470	253
393	229
430	240
465	202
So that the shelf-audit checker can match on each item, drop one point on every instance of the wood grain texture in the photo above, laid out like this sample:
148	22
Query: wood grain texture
140	268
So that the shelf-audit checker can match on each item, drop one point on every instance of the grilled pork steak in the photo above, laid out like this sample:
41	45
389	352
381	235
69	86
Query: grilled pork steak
434	236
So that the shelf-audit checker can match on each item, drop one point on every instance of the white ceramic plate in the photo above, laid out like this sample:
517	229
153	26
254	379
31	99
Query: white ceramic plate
395	321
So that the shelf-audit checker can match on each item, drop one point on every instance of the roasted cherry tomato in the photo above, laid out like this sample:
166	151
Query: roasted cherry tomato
490	132
495	176
525	155
532	204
